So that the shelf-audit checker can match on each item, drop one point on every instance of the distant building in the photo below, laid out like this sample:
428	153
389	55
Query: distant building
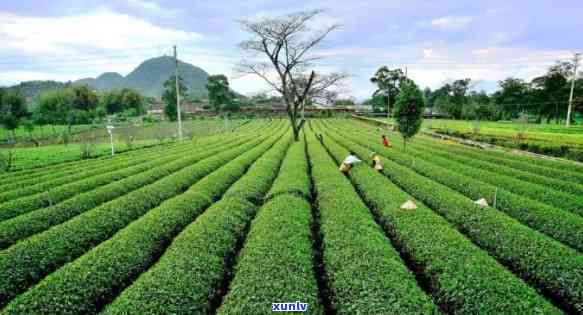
432	113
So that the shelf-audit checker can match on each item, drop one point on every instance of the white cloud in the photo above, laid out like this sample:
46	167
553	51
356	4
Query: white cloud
451	23
101	29
154	7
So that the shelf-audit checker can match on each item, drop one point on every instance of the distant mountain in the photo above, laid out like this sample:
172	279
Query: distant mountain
105	82
148	78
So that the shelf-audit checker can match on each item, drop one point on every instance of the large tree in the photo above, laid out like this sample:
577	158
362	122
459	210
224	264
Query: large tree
408	111
169	96
12	110
125	99
551	91
389	84
219	93
512	98
451	98
53	107
287	42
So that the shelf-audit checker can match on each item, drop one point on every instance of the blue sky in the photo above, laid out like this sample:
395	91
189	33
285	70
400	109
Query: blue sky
438	41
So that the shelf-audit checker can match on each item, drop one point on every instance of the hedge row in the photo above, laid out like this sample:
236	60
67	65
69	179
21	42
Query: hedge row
30	260
63	166
556	184
58	178
123	180
187	277
37	221
88	283
275	264
532	165
365	274
35	173
562	225
39	176
436	148
60	181
561	200
565	171
535	257
464	279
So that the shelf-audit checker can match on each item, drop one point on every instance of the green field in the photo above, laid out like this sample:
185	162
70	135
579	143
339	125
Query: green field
50	135
233	222
94	143
548	139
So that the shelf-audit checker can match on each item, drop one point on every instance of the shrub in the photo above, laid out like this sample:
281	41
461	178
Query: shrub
444	256
30	260
560	224
283	222
537	258
118	180
350	234
113	264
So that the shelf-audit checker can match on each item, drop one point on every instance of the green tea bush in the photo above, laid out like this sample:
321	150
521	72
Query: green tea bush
444	256
115	263
365	274
31	260
535	257
265	273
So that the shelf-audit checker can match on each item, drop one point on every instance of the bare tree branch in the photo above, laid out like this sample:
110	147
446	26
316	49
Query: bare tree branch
286	41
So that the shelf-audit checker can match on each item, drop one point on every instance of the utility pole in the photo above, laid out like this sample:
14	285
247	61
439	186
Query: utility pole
389	102
576	60
178	111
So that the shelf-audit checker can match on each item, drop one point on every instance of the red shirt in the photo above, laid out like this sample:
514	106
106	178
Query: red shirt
385	142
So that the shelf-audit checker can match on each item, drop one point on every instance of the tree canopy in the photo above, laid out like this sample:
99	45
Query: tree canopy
169	96
220	96
408	112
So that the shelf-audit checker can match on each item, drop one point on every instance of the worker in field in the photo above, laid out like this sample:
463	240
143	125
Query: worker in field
348	162
320	138
386	142
376	162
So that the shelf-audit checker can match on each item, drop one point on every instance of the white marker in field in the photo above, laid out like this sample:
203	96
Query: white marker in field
110	131
481	202
409	205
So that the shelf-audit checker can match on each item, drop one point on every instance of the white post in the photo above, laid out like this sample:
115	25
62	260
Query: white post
178	111
572	89
110	131
388	103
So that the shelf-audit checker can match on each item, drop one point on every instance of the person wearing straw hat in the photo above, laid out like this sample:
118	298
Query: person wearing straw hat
348	162
376	162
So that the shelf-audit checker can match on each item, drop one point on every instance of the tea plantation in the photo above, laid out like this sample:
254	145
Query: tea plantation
233	222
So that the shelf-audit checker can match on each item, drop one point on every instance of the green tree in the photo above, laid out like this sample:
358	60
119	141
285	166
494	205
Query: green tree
389	84
219	93
169	96
408	112
551	91
83	98
132	100
53	107
451	98
12	111
512	98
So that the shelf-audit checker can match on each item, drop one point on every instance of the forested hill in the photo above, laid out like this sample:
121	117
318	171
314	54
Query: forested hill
148	78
